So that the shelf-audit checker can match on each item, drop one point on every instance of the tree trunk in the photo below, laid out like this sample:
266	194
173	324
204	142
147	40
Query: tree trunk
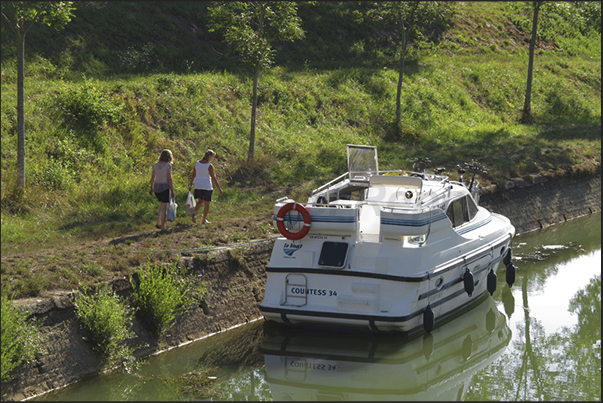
400	77
20	108
527	109
256	75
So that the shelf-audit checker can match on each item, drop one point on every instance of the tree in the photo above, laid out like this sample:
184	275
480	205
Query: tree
21	16
583	16
250	28
409	21
526	116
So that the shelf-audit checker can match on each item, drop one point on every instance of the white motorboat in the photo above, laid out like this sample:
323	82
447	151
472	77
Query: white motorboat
384	250
439	366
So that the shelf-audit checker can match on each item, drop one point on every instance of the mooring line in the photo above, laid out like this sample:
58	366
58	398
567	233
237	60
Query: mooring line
206	249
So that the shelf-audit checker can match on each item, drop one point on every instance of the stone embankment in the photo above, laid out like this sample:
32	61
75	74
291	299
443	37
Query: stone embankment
235	281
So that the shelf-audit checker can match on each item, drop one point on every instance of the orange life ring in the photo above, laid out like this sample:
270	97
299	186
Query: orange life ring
281	224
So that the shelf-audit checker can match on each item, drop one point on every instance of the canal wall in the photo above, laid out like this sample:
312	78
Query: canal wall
235	280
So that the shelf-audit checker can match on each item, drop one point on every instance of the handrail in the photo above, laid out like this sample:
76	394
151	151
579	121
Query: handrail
328	184
424	176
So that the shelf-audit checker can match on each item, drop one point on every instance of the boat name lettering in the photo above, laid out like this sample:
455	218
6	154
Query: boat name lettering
313	291
312	365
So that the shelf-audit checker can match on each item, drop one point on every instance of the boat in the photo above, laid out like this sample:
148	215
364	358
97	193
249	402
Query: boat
388	251
303	365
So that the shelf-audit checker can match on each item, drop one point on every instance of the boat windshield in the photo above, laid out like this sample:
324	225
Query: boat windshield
362	162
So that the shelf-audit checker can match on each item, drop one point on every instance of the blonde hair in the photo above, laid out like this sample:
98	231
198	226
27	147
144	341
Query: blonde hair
166	156
209	153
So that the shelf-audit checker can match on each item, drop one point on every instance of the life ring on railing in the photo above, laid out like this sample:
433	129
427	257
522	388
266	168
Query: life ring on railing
281	224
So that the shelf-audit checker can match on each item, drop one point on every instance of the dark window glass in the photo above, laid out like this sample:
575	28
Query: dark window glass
333	254
472	208
457	212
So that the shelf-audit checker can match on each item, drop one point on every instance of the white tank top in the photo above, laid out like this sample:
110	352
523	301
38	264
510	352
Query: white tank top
202	178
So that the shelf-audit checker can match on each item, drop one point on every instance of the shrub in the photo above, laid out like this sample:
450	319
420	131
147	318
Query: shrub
163	293
86	110
21	337
106	322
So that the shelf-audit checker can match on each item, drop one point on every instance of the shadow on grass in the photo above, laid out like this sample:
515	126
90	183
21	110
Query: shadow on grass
178	228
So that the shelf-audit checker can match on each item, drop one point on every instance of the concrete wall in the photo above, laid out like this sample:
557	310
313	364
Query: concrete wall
542	202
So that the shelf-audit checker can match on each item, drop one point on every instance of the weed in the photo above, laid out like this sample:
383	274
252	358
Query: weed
164	292
238	255
106	322
21	338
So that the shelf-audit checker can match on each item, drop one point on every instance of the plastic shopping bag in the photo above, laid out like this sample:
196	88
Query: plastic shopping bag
171	213
189	207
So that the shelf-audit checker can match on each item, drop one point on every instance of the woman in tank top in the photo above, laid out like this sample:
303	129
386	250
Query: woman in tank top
202	181
162	185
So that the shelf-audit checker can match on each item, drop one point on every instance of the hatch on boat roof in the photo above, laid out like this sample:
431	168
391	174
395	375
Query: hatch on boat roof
362	162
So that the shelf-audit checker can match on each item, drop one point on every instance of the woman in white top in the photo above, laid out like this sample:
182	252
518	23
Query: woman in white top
162	185
202	179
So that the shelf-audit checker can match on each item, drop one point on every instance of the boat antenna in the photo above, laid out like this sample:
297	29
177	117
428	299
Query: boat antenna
475	167
461	172
419	164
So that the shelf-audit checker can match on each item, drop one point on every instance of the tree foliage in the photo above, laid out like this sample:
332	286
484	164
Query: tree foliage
407	22
252	28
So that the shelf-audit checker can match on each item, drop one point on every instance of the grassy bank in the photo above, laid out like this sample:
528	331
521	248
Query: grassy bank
86	215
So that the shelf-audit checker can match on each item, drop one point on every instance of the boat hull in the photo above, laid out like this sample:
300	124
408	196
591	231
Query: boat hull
380	301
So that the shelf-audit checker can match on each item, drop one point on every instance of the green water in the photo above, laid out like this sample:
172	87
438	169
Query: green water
539	340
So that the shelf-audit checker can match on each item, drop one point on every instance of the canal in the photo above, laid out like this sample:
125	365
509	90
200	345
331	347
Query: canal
539	340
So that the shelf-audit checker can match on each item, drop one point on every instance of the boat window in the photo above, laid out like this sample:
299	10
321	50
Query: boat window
457	212
472	207
461	210
355	194
415	240
333	254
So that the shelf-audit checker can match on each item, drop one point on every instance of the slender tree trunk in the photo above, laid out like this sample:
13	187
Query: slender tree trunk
20	108
250	154
527	109
400	77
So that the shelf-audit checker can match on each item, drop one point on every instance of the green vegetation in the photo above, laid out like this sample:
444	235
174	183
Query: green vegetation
162	292
106	321
21	339
124	80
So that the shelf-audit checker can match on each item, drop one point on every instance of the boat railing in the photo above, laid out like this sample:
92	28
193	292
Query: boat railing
422	175
393	205
364	179
434	195
328	185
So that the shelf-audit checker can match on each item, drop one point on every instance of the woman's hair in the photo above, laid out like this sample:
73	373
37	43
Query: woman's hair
166	156
209	153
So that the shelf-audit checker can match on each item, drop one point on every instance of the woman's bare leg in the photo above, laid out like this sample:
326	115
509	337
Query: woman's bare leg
205	210
162	215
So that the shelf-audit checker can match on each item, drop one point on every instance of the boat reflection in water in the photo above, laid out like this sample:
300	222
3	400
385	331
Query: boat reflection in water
302	364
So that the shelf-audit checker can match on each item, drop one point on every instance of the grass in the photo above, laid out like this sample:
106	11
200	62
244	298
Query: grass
94	129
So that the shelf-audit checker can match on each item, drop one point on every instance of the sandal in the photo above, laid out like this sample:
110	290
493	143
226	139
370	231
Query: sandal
194	217
157	226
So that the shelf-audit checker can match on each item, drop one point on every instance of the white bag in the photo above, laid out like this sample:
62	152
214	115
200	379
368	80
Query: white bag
171	213
189	207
